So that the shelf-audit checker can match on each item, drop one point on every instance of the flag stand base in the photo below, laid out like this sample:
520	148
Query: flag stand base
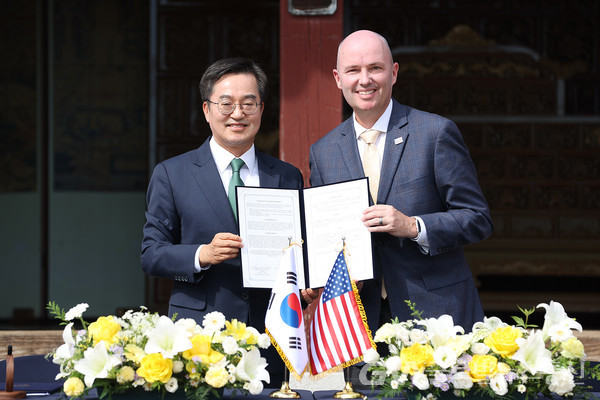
348	393
285	392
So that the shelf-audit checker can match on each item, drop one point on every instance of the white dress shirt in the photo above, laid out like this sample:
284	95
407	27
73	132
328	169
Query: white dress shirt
382	126
248	173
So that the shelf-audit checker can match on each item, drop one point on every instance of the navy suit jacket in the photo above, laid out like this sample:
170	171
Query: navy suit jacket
186	206
427	172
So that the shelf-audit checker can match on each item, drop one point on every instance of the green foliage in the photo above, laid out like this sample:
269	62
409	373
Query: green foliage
524	323
417	314
57	312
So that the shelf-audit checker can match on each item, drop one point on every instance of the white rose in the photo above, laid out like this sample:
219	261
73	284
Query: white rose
264	341
561	382
230	345
402	334
499	384
385	333
480	349
418	336
187	324
177	366
461	380
393	364
254	386
420	381
371	356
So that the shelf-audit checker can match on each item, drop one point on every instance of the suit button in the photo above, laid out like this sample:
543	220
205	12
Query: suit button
244	296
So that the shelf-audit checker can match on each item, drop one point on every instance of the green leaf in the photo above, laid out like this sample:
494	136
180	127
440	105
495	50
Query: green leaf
56	311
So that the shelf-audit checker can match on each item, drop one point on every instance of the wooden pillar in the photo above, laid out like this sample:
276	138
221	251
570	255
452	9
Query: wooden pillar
311	103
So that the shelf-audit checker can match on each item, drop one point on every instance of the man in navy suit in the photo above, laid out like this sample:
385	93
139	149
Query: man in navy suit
428	203
191	234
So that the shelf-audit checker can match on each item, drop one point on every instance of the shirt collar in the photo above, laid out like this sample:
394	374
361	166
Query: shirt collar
381	124
223	158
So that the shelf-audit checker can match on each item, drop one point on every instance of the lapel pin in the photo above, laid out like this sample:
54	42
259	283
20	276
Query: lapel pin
398	140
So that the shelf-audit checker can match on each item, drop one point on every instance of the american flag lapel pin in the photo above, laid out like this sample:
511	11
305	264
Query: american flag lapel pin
398	140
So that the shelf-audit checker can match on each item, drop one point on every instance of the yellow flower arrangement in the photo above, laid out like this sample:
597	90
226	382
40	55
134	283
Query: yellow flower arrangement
155	353
432	358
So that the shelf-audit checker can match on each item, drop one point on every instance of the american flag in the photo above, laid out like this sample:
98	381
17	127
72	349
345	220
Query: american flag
339	335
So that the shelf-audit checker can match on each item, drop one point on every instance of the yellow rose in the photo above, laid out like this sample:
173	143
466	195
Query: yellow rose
503	341
201	347
217	377
415	358
572	348
73	387
105	328
155	368
482	367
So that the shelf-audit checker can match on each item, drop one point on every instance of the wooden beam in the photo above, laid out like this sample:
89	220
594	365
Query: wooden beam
27	343
311	103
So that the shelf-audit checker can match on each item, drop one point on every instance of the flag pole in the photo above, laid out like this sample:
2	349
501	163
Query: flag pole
348	392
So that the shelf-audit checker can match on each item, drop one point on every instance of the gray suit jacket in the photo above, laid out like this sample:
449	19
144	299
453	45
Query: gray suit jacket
427	172
186	206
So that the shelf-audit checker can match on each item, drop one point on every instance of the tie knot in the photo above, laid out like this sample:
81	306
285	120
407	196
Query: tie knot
370	136
236	164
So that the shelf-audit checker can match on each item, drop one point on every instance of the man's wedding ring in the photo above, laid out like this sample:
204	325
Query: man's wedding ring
380	221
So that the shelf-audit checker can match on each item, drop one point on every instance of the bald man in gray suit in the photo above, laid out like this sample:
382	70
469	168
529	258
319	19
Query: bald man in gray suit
428	203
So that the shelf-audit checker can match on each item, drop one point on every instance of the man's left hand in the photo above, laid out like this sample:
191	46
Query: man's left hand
386	219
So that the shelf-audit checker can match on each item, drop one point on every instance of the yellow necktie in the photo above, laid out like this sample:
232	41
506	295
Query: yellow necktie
370	161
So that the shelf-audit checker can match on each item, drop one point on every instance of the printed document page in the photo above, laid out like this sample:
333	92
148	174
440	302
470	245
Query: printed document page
269	219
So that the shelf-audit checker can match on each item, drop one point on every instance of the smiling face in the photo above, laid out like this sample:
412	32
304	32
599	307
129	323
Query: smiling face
234	132
366	73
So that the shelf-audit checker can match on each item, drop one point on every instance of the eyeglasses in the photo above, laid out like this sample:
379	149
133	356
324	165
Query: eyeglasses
226	107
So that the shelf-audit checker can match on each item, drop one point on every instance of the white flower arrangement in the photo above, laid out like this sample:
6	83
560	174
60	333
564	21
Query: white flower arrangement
155	353
432	358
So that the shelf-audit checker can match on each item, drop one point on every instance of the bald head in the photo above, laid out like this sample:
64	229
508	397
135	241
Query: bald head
365	73
364	39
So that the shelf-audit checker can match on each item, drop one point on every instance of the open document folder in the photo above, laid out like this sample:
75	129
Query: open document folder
322	217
